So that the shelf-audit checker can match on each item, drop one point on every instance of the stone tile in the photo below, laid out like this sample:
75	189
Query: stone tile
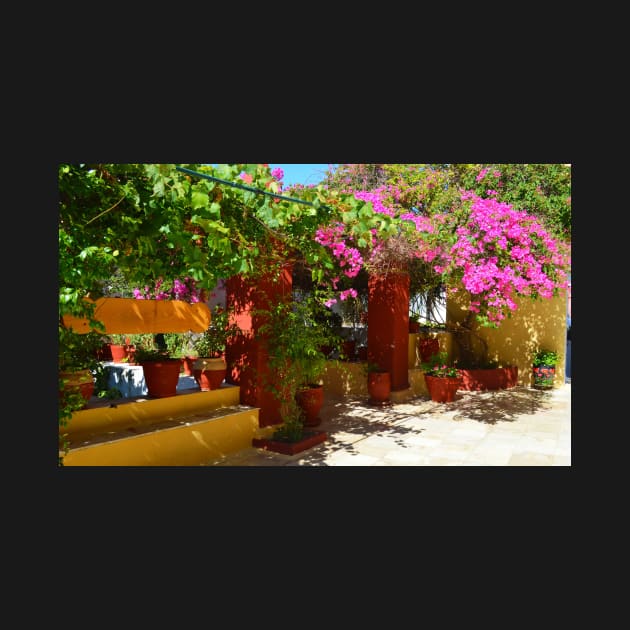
501	439
372	451
343	437
380	441
492	454
536	445
423	441
405	458
350	459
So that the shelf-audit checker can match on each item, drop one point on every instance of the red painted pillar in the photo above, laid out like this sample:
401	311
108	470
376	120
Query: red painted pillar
388	325
246	355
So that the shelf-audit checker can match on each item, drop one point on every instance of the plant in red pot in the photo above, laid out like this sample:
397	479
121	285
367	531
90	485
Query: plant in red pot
161	371
296	333
544	368
414	323
210	368
180	346
442	379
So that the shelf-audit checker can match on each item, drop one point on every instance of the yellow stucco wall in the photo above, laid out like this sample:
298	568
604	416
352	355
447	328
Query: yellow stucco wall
534	325
345	378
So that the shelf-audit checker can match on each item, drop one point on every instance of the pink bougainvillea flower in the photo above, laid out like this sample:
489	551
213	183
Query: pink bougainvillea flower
246	177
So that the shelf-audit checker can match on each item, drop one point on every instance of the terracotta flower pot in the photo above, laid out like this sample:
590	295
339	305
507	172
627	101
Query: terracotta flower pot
489	378
310	401
118	352
80	381
209	372
442	388
544	376
188	365
379	387
161	377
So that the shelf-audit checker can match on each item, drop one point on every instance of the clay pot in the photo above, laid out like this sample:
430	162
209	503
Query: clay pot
209	372
442	388
379	387
310	401
80	381
161	377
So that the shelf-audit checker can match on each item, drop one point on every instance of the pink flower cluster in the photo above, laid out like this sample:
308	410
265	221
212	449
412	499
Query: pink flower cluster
349	258
500	252
183	290
376	198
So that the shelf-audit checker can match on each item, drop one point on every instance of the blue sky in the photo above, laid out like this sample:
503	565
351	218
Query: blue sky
302	173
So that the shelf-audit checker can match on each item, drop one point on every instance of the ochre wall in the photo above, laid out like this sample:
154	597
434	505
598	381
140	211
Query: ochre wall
534	325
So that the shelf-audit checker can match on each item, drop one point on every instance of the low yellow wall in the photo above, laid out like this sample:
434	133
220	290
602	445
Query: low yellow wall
417	382
126	415
533	326
190	444
344	378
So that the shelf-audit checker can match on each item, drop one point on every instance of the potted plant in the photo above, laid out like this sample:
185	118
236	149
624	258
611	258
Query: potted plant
161	371
442	379
295	337
209	368
121	348
180	346
379	384
414	323
544	368
77	362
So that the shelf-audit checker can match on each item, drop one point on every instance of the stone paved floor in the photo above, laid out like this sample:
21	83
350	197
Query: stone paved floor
515	427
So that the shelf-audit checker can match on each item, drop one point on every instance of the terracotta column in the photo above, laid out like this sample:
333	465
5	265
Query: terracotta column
388	325
246	356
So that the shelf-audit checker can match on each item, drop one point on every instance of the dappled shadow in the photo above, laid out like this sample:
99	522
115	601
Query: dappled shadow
349	421
504	405
353	420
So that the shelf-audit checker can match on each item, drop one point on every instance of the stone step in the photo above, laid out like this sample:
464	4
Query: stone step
185	440
188	429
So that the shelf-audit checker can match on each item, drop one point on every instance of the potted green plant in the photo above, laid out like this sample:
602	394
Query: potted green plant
210	368
161	371
180	346
442	378
544	368
121	348
414	323
295	337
